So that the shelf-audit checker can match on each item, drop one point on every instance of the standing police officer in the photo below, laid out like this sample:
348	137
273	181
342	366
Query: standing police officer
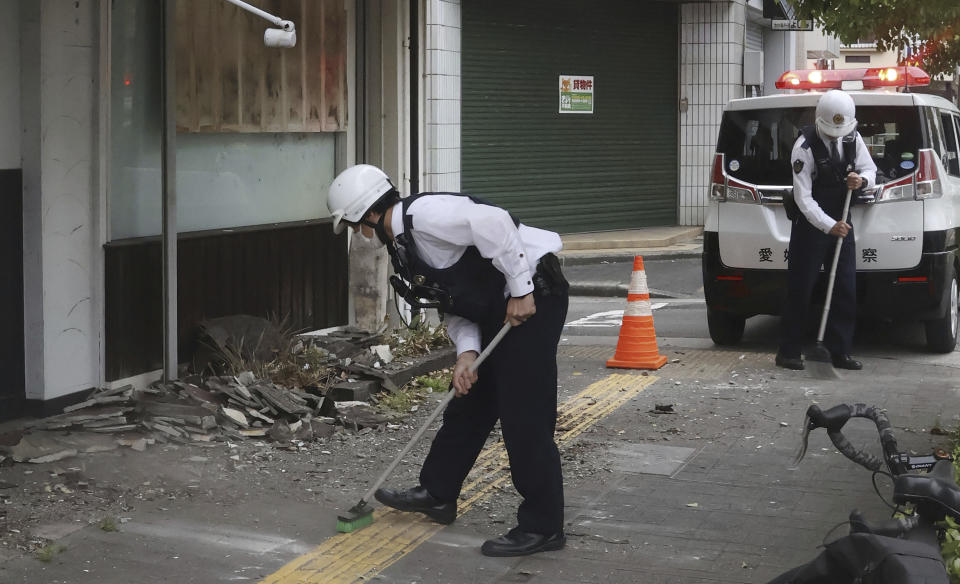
483	269
827	160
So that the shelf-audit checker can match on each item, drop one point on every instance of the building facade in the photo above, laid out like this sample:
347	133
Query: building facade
160	166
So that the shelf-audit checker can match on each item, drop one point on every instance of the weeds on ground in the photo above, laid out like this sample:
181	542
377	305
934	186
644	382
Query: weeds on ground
950	547
109	524
293	362
418	340
414	392
49	551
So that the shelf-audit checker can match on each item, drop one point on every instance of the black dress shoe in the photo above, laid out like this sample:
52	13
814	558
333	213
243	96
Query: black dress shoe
419	500
522	543
847	362
795	363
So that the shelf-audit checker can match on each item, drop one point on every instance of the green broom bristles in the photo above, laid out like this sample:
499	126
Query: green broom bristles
357	517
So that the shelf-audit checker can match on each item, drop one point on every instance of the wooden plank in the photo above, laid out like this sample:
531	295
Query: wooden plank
186	70
334	59
230	34
252	85
293	62
272	107
203	21
312	35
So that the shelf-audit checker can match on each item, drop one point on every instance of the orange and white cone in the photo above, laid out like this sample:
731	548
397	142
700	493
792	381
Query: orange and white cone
637	346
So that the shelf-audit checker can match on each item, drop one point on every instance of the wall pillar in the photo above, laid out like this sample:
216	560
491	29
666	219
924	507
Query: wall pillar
711	74
59	73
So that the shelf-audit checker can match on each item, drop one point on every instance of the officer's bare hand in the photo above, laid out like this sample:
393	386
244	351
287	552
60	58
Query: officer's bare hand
841	229
520	309
855	181
463	378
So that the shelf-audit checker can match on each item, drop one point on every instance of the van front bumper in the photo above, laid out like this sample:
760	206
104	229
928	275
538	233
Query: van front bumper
918	293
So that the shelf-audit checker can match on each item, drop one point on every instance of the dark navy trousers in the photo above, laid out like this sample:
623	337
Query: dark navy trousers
517	384
810	249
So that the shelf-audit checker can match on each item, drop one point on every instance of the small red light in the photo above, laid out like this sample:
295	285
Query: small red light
730	278
717	174
927	169
907	76
912	279
127	80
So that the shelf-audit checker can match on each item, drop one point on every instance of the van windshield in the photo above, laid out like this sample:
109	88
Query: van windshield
758	143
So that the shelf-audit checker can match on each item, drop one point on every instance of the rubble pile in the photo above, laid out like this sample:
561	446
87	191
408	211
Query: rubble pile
200	410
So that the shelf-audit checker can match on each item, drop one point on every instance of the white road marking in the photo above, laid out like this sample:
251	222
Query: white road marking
606	319
611	318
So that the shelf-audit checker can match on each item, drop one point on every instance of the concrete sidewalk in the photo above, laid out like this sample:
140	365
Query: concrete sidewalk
653	243
705	494
677	241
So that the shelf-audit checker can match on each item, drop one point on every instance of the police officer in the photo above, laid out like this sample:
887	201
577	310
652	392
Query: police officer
488	270
827	159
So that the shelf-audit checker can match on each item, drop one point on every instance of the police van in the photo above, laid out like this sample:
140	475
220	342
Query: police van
906	238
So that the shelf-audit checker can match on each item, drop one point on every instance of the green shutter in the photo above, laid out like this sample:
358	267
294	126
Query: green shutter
613	169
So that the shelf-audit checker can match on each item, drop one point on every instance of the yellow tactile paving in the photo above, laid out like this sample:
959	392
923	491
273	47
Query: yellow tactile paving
359	556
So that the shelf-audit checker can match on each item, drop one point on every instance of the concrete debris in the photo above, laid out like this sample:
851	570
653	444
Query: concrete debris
353	390
383	352
219	407
359	415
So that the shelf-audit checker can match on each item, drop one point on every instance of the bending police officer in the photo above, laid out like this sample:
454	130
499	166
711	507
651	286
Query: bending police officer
828	159
483	269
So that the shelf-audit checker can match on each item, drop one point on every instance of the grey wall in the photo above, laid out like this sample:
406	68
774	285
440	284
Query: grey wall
779	55
9	84
61	252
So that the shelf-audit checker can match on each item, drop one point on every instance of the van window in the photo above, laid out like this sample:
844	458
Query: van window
952	162
758	143
934	132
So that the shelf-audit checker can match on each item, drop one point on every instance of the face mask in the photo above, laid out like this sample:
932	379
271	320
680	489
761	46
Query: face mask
370	241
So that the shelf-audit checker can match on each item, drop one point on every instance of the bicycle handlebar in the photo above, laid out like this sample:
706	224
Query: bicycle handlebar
833	421
893	527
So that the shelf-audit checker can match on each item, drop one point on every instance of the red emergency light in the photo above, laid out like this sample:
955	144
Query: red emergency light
872	78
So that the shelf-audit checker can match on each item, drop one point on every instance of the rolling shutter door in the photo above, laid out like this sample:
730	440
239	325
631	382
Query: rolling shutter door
754	37
613	169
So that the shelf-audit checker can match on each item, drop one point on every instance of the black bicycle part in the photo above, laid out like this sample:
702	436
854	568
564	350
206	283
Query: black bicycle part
934	494
836	417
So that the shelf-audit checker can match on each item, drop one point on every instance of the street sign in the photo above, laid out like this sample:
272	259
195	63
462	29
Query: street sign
778	24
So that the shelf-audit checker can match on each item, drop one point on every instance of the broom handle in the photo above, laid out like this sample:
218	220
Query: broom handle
433	415
833	273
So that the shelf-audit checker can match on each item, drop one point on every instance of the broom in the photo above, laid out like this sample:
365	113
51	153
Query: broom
819	359
361	514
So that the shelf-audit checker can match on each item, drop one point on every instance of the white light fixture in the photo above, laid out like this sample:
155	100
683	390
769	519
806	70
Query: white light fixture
283	37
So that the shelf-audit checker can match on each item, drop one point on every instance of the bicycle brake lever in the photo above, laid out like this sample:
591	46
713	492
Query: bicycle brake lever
802	451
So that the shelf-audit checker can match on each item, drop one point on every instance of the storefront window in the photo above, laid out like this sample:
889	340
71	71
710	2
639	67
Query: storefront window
224	178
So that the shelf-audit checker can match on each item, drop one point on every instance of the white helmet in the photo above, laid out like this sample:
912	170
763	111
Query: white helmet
354	191
836	114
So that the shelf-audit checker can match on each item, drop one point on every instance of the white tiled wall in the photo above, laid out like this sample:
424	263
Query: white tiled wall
442	95
711	62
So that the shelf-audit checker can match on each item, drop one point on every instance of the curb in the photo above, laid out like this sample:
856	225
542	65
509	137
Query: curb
579	258
613	289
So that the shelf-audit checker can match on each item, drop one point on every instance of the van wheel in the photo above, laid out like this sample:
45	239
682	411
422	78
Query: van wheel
942	332
725	328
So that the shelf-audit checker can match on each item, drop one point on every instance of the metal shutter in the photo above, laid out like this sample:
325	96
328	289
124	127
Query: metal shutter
754	37
613	169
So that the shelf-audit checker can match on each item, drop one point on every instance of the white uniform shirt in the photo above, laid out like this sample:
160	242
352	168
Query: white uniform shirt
444	226
803	180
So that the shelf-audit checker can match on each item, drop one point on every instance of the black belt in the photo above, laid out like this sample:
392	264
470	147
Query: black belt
548	279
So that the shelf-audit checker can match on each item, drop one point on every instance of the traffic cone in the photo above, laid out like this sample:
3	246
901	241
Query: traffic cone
637	346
